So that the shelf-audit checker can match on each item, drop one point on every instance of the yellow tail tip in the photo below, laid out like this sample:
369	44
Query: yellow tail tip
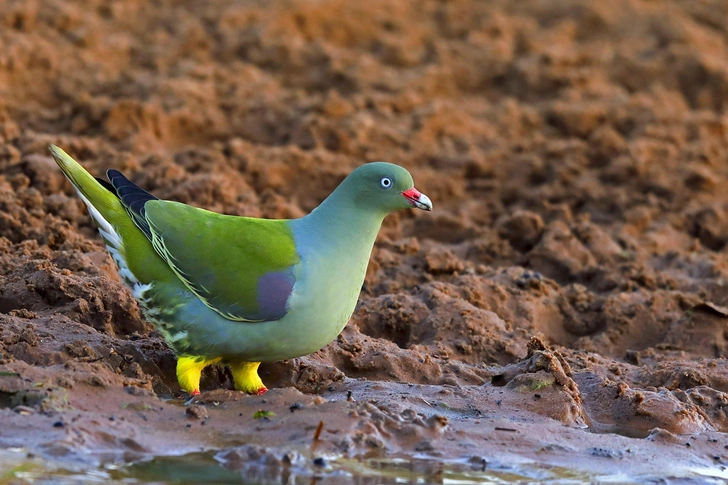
63	159
56	151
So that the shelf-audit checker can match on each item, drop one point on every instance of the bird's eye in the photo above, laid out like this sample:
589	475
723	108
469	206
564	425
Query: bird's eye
386	182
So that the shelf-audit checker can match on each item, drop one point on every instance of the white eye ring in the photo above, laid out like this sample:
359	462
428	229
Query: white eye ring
385	183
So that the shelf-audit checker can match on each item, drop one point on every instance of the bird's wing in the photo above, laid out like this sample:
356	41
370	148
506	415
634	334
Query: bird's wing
132	197
240	267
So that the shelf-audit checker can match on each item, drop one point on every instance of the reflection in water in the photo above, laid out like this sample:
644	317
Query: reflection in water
205	468
17	468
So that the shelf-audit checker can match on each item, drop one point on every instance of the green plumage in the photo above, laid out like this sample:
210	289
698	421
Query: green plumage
220	258
239	290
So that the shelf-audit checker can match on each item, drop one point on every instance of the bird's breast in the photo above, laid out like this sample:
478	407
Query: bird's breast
327	288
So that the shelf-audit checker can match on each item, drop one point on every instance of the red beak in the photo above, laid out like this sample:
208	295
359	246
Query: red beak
417	199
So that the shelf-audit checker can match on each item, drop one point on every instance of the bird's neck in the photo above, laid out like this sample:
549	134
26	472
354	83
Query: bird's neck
341	225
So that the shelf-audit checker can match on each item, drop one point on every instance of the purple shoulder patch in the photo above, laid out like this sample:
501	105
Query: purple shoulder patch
274	289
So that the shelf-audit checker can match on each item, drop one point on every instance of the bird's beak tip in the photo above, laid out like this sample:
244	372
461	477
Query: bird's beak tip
417	199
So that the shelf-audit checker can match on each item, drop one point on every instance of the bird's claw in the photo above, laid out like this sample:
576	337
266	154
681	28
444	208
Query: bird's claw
192	395
261	391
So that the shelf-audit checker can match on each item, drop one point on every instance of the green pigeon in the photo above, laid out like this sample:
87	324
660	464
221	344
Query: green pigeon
240	290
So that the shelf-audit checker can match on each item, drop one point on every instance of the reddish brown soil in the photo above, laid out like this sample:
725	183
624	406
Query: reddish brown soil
576	154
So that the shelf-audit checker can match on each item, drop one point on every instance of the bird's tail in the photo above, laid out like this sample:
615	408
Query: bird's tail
97	198
105	208
103	205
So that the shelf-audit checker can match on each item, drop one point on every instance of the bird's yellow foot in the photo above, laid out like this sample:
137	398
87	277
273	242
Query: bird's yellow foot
189	370
245	376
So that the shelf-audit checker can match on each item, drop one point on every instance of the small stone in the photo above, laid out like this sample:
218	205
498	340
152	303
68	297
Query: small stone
98	381
436	421
24	410
196	412
139	391
28	336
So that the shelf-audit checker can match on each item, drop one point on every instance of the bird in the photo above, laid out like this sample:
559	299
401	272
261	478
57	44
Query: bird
238	291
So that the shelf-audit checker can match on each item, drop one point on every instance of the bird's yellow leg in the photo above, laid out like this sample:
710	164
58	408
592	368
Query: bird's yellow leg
189	370
245	376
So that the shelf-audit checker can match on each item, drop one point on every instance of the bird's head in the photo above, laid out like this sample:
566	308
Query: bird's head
384	187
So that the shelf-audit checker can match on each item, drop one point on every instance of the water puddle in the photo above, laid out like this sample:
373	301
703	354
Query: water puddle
17	468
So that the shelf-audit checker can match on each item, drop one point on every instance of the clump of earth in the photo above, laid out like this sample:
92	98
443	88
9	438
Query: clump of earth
566	302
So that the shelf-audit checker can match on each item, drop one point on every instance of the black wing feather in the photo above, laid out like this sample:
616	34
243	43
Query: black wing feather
132	198
105	184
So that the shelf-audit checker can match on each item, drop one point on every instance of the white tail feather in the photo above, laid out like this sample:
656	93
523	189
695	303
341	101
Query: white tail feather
114	244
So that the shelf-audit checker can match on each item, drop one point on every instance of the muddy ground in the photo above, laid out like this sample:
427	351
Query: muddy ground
565	303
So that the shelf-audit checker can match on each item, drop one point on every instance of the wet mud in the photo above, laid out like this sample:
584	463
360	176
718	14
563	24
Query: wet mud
564	304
